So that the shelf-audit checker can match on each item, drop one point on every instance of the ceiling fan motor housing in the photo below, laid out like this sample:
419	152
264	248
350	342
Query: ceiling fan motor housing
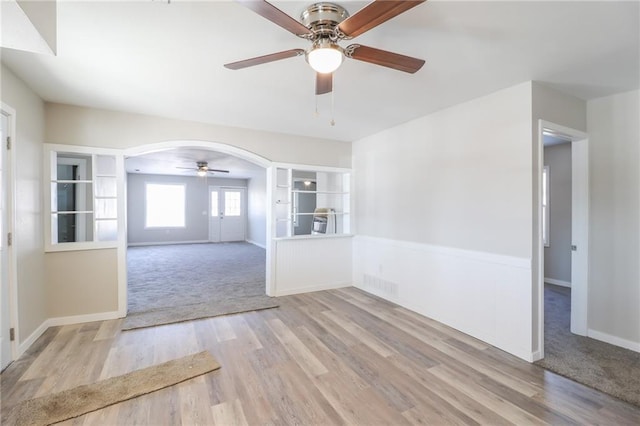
323	18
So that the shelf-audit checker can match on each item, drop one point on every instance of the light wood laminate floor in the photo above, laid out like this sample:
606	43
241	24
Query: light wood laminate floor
331	357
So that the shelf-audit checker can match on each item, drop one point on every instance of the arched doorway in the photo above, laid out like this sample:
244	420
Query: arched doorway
176	161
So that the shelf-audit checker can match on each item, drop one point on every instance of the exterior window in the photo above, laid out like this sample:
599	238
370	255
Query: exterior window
545	205
232	206
165	205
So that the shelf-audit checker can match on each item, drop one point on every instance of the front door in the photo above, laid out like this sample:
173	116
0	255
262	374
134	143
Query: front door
227	214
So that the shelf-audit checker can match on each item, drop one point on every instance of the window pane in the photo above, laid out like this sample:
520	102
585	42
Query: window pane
106	230
545	182
232	203
106	165
72	227
165	205
106	208
214	203
73	197
106	187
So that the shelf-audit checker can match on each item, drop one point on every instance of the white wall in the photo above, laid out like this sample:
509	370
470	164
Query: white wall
443	211
257	209
196	214
28	233
614	286
557	256
72	125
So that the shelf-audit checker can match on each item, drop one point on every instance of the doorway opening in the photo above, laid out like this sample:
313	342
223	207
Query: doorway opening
227	214
211	250
563	211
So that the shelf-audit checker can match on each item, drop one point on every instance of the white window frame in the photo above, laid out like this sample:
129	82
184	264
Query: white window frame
50	164
283	194
184	205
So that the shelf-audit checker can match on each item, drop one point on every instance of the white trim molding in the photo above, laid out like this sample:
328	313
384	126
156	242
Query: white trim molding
58	321
166	243
302	290
257	244
557	282
614	340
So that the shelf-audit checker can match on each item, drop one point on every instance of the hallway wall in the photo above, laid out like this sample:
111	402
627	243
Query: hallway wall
557	256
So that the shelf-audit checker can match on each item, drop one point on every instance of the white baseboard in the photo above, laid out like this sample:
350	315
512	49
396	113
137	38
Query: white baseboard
79	319
311	289
26	344
536	356
257	244
54	322
166	243
614	340
557	282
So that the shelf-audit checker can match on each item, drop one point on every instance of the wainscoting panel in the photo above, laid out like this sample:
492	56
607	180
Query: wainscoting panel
311	264
485	295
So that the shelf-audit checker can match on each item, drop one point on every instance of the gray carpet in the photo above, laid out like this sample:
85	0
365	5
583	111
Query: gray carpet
602	366
174	283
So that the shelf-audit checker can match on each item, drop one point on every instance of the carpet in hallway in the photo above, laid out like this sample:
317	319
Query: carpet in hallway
608	368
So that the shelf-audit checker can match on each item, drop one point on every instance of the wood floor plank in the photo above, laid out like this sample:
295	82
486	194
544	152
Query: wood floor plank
330	357
482	395
229	414
360	334
298	351
195	408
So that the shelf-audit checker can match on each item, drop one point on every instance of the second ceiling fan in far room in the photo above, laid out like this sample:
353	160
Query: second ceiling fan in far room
202	169
327	24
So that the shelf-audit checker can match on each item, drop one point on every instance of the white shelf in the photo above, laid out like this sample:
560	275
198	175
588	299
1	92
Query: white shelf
302	191
311	214
71	181
75	212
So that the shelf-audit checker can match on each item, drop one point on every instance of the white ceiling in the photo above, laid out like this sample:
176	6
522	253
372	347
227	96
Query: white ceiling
166	59
172	162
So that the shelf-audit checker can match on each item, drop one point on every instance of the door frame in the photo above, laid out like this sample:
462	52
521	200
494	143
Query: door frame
219	188
9	210
580	198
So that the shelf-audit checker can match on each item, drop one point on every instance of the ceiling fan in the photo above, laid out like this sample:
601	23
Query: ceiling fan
202	168
325	25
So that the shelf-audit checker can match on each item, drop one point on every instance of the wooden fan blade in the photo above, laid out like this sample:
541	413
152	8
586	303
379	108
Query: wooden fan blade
384	58
275	15
218	171
264	59
374	14
324	83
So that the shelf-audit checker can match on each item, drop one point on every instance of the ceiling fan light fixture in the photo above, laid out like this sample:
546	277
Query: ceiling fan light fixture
201	172
325	56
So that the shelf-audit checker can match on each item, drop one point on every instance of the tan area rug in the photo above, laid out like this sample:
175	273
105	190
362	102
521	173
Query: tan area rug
84	399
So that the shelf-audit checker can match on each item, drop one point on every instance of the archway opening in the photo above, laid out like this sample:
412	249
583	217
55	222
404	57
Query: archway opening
196	231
